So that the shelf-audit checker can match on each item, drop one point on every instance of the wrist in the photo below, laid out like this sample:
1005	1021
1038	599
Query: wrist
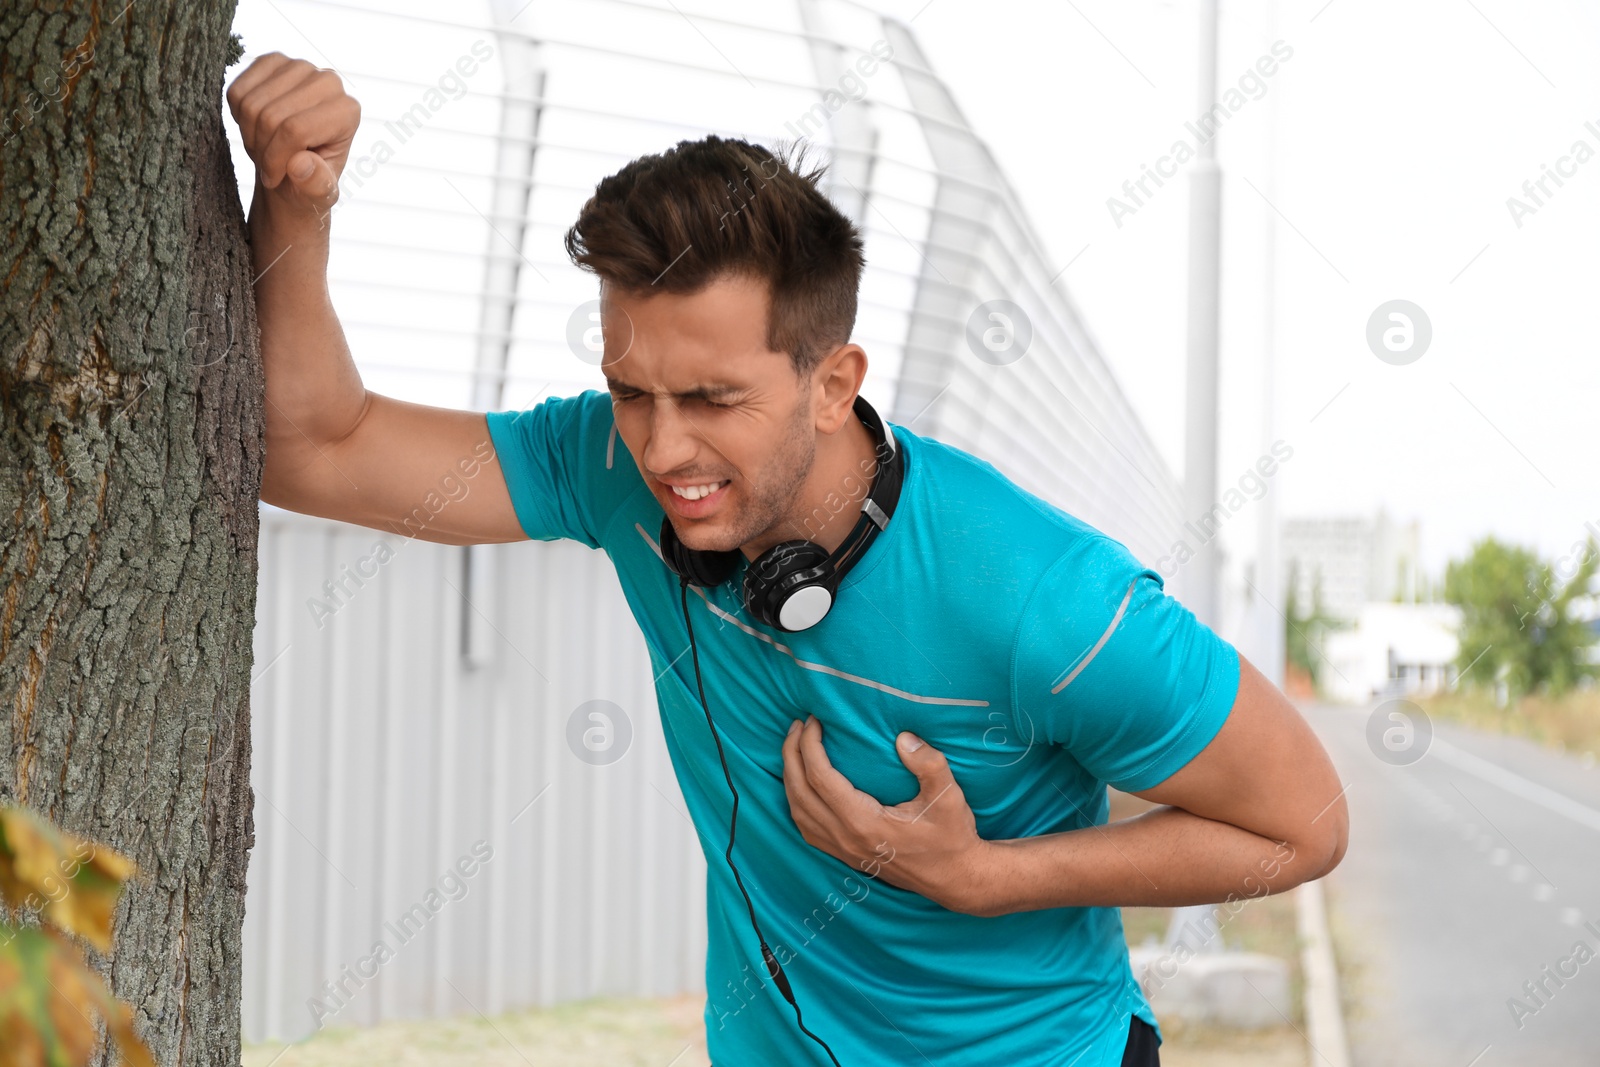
288	244
282	219
985	875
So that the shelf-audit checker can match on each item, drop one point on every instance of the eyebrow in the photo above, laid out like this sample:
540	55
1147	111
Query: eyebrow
702	392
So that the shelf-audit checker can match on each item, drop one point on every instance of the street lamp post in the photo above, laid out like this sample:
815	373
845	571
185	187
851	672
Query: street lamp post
1201	590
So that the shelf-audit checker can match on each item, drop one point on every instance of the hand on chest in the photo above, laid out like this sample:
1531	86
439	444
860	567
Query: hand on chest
757	683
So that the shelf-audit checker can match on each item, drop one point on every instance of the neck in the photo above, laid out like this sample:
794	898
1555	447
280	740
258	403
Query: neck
830	501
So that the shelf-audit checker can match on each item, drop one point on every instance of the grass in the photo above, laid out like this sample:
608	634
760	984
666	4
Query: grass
639	1032
1569	723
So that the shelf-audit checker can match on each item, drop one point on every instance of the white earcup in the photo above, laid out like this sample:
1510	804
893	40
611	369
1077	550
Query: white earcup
804	608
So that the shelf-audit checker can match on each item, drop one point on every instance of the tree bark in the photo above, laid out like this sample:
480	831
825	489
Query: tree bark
130	462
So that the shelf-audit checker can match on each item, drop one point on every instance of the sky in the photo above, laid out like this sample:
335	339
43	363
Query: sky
1374	164
1385	149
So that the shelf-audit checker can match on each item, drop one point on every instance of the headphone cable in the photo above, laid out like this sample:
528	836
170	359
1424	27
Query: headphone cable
774	970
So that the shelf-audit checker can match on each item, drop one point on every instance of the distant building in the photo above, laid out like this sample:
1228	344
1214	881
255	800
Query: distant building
1357	561
1393	650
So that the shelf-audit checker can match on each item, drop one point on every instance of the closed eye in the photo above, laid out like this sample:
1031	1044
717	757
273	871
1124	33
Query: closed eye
621	395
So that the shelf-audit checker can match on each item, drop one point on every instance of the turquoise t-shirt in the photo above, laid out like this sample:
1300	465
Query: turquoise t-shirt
1035	652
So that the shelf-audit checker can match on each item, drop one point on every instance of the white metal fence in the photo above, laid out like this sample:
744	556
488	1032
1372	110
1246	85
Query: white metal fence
389	764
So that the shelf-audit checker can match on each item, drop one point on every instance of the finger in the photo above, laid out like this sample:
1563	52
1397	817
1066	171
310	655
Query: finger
923	760
804	803
794	767
819	824
323	126
259	104
263	92
305	115
257	72
834	788
934	778
313	179
315	111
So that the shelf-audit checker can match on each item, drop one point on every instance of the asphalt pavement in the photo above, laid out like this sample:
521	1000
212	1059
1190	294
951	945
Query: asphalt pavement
1466	912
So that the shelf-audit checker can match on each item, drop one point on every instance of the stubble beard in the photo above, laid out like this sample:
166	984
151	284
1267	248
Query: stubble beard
770	502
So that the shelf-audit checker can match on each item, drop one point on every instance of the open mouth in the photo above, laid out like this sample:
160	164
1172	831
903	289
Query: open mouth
696	492
697	501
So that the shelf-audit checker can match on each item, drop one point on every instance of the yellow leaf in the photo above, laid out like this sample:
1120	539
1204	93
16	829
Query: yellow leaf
72	882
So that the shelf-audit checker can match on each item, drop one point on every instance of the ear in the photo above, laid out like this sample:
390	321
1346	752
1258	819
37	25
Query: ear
835	381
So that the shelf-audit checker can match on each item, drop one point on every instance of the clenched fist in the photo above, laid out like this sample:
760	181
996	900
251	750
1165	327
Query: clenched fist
297	123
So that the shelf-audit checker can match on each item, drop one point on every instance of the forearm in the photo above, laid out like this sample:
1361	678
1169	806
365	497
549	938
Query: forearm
313	390
1166	857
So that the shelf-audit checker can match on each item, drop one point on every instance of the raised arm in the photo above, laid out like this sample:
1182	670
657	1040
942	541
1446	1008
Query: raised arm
334	448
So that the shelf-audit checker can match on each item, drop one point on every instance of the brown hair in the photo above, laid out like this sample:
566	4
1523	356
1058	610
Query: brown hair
701	210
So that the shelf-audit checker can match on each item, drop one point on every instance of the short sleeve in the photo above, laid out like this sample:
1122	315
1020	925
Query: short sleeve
1118	672
565	468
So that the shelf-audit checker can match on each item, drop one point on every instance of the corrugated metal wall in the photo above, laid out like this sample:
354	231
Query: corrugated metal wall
387	766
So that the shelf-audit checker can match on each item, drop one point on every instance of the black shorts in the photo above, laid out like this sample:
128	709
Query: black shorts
1141	1048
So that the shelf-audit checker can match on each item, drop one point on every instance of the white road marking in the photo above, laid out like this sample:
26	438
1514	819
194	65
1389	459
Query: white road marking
1516	784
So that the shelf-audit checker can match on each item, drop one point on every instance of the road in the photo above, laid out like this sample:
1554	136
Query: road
1470	870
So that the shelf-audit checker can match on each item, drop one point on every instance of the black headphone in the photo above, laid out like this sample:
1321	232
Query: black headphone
792	585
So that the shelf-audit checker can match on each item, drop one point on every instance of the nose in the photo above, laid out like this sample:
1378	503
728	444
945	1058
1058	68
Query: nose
673	440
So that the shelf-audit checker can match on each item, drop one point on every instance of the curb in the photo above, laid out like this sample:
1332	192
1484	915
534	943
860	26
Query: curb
1324	1016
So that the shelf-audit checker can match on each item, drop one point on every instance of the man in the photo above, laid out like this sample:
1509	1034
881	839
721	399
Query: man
922	837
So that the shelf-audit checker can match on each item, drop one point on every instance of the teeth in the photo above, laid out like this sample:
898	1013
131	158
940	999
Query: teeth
695	492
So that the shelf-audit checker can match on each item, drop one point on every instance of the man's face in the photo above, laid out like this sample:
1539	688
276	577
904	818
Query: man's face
702	402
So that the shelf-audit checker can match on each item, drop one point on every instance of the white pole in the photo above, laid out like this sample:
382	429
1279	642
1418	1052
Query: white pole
1201	588
1269	572
1200	585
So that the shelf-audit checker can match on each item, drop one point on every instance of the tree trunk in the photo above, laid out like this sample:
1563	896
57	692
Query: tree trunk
130	460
